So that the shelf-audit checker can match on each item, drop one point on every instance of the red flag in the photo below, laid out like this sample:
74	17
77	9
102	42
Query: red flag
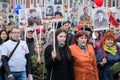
113	21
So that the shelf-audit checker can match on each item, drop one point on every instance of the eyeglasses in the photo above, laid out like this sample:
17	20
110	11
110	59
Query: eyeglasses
15	32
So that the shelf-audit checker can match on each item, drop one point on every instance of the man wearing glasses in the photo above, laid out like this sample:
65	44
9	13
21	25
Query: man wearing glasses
15	68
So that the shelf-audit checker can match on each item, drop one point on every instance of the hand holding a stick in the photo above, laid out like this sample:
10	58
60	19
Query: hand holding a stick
54	55
104	61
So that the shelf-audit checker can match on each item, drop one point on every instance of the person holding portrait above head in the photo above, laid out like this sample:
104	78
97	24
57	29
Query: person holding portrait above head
107	56
57	1
85	16
34	18
59	63
100	21
58	12
85	66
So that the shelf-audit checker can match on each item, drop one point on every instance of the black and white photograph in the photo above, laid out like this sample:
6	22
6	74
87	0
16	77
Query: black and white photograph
23	18
4	8
57	2
34	16
84	12
58	10
49	10
11	19
100	19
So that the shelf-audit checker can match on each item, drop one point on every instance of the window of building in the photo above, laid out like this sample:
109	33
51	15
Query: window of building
71	1
80	1
16	1
84	1
113	3
23	3
31	3
118	3
106	3
38	1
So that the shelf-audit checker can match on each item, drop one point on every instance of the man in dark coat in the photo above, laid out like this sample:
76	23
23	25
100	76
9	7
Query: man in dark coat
30	44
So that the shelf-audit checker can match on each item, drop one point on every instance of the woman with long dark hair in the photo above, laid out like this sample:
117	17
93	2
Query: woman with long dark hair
3	38
59	63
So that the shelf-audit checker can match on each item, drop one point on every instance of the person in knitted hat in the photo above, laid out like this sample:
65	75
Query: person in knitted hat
107	56
41	35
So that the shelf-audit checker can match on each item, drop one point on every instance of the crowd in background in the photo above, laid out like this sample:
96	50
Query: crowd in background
81	54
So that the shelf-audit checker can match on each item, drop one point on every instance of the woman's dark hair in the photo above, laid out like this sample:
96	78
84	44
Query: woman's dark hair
1	41
67	50
99	35
79	34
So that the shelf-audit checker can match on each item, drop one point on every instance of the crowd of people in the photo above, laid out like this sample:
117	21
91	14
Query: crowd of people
74	55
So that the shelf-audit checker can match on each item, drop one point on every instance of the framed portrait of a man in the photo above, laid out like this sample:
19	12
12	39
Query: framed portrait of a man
34	16
58	10
49	11
84	13
11	19
100	19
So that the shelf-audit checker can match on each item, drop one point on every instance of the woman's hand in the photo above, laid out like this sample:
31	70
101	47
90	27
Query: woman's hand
54	55
104	61
39	60
10	76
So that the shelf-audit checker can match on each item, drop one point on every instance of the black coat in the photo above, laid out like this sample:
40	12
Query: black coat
58	69
30	44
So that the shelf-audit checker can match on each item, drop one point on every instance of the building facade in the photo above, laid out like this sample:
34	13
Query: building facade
34	3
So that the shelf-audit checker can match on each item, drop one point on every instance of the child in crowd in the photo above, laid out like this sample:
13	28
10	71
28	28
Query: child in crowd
37	60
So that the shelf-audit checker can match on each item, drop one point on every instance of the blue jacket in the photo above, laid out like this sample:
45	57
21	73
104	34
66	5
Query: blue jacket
104	71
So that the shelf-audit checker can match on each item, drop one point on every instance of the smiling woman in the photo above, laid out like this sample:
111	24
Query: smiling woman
107	56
